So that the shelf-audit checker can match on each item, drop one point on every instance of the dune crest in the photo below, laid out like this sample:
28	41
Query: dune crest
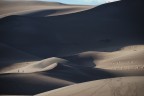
125	86
39	66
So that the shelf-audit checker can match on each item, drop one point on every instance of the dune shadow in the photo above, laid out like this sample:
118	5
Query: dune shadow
106	28
78	74
46	12
28	84
41	13
76	60
107	25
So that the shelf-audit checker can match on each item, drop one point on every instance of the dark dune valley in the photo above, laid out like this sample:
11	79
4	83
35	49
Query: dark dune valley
55	49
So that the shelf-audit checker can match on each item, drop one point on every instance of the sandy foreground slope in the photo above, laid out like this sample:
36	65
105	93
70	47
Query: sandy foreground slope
125	86
92	51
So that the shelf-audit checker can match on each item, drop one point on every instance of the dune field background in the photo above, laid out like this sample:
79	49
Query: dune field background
55	49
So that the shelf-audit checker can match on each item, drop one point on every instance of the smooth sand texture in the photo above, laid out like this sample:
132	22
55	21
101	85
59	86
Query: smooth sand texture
94	51
126	86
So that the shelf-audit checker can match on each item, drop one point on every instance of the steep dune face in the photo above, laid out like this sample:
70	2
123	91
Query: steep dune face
126	86
107	25
29	84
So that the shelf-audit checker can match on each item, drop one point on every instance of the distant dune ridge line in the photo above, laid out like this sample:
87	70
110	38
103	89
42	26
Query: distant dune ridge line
31	7
54	49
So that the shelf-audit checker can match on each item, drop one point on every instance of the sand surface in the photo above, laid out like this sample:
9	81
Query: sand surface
126	86
54	49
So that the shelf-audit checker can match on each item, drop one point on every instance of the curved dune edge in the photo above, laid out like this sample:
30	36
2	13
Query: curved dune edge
127	58
122	60
14	58
27	7
123	86
39	66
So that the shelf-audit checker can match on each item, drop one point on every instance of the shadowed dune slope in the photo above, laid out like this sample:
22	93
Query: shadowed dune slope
78	68
29	84
12	58
114	24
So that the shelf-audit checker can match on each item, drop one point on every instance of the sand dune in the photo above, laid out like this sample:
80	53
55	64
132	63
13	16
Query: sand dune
110	26
128	56
83	66
12	58
28	7
125	62
39	66
29	84
127	59
98	49
126	86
